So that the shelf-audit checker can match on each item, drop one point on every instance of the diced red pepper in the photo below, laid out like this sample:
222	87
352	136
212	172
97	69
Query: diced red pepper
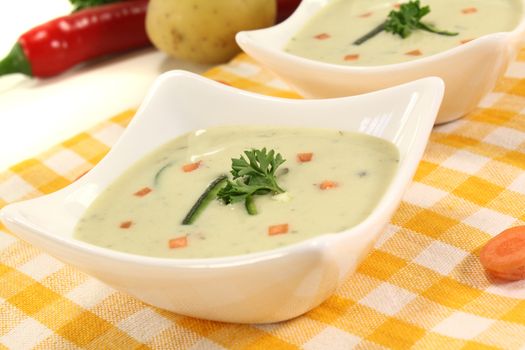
179	242
277	229
469	10
322	36
304	157
142	192
126	224
327	184
414	53
365	15
191	167
353	57
464	41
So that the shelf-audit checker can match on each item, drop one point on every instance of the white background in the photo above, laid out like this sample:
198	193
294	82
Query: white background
37	114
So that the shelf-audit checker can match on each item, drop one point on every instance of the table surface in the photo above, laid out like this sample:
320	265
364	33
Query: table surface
37	114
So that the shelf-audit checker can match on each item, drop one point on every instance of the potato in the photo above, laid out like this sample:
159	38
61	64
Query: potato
204	31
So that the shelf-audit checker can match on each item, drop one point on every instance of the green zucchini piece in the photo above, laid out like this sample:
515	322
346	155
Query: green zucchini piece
209	194
249	204
159	173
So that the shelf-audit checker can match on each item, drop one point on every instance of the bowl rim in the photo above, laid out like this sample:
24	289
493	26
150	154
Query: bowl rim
10	213
245	40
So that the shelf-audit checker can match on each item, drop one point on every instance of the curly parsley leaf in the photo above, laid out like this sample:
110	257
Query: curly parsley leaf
253	174
404	21
408	19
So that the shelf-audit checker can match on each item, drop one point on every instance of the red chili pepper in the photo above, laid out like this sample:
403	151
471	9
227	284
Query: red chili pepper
55	46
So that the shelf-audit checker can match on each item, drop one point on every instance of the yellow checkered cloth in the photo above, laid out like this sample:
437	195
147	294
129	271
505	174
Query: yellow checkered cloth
421	287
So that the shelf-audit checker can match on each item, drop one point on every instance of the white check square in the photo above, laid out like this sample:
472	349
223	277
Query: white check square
332	338
388	298
64	161
490	221
463	325
518	185
466	162
41	266
144	324
490	99
109	134
26	335
90	293
441	257
423	195
506	138
15	188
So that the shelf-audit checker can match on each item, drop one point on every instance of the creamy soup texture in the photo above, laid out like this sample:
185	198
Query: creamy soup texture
329	35
142	211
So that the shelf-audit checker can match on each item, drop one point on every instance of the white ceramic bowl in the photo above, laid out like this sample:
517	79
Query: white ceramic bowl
253	288
470	71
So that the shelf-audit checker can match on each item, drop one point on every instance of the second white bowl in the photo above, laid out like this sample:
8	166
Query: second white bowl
470	71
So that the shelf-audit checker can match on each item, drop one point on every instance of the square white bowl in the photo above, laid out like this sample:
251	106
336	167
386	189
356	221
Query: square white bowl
469	71
260	287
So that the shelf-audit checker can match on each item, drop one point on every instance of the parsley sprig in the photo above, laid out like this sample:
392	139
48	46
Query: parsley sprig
253	175
404	21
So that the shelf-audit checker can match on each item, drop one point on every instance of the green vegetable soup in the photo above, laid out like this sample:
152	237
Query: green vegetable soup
253	190
331	35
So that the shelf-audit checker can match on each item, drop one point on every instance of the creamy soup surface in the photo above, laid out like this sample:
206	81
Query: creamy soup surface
142	211
329	35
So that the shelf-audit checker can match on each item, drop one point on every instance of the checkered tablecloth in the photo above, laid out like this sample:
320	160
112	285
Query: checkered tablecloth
422	286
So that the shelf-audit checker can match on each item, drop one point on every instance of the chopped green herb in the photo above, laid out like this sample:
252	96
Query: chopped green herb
404	21
252	175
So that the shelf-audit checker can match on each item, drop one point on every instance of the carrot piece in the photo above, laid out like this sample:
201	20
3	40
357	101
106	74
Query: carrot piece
126	224
365	15
277	229
327	184
353	57
322	36
179	242
142	192
464	41
504	255
414	53
304	157
469	10
397	6
190	166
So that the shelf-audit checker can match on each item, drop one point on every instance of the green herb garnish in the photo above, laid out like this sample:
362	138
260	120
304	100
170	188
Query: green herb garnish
253	175
404	21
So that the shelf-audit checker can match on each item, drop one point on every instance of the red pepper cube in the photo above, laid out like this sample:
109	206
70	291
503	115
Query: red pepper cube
142	192
191	167
277	229
327	185
322	36
464	41
414	53
126	224
469	10
304	157
179	242
352	57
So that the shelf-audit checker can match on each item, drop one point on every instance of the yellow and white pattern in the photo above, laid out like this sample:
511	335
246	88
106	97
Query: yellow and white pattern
422	286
